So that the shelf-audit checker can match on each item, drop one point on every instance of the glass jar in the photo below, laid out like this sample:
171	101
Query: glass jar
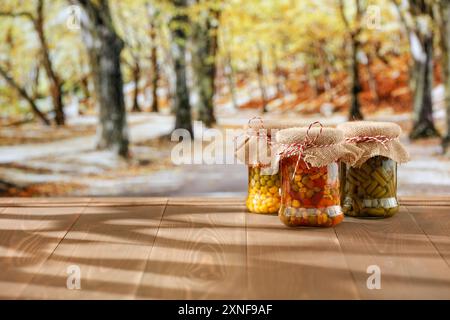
311	197
263	190
370	190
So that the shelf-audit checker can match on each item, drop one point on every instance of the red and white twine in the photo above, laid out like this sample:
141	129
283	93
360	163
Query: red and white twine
378	139
252	132
298	148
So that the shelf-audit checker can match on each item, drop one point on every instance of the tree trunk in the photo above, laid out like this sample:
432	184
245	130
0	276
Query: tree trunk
311	79
34	87
154	69
204	63
279	80
22	92
420	38
355	108
154	77
355	81
371	79
325	70
55	83
229	73
104	47
84	83
183	118
136	78
445	44
423	124
260	74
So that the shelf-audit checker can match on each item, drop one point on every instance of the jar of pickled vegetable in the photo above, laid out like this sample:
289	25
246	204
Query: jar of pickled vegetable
310	189
259	152
370	190
369	187
263	190
310	195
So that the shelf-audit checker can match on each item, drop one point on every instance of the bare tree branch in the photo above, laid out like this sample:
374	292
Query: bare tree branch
24	95
342	13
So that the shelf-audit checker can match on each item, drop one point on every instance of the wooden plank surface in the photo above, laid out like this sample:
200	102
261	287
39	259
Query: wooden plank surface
45	202
199	253
211	248
28	236
435	223
4	202
431	201
289	263
411	267
109	245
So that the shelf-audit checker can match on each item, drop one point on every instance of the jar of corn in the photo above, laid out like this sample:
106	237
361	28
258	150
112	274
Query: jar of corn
369	187
260	154
263	190
310	190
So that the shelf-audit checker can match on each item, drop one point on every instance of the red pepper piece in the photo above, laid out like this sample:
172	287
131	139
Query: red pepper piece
316	198
319	183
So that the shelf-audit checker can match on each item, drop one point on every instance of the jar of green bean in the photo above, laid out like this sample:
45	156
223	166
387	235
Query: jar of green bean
369	187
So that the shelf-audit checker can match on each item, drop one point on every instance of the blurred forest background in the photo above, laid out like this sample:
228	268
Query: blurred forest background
90	90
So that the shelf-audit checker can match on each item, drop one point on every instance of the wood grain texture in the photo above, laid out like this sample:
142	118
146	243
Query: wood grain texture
109	245
435	222
4	203
193	201
199	254
295	263
28	236
411	268
193	248
45	202
2	209
430	201
123	201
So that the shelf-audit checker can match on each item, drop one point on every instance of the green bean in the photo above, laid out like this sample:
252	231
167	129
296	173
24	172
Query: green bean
370	190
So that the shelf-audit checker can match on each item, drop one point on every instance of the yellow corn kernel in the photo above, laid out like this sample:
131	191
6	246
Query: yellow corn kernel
273	190
295	203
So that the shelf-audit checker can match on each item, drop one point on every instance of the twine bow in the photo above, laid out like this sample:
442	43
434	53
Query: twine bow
252	131
379	139
258	134
298	148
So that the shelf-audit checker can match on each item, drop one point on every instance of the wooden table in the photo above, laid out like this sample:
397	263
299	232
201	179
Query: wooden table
211	249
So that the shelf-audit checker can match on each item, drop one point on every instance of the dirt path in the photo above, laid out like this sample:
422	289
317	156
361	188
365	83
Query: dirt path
66	160
76	161
141	127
